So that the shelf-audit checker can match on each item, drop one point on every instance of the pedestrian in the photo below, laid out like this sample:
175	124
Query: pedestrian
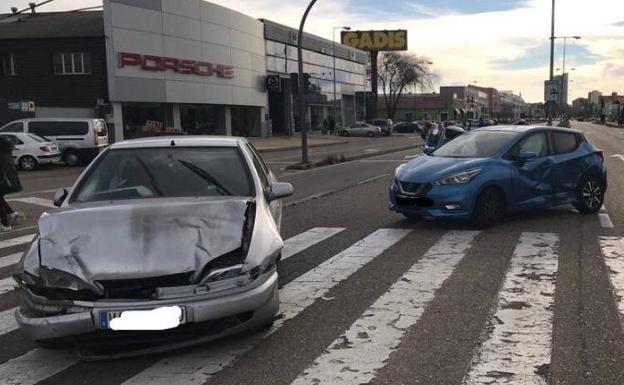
332	125
325	126
9	183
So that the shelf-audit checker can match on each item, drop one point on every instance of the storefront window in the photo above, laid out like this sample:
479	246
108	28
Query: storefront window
201	119
140	120
245	121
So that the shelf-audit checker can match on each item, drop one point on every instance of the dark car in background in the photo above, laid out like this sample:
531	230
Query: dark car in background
407	127
440	135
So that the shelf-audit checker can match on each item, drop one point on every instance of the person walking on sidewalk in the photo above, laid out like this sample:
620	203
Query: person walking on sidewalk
332	125
325	126
9	183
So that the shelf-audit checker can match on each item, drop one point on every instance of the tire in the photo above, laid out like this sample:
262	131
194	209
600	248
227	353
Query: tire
488	208
589	195
412	217
370	134
72	158
344	133
28	163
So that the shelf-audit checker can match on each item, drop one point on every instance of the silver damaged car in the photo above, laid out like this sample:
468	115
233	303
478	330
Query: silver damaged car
184	223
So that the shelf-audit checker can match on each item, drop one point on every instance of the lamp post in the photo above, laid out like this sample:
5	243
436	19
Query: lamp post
300	92
552	56
565	39
345	28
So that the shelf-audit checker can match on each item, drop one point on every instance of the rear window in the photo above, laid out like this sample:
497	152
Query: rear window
59	128
36	138
14	127
166	172
564	142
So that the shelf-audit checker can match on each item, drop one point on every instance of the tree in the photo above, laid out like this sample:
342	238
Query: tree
397	70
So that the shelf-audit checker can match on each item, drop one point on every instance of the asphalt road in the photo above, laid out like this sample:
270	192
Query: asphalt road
383	300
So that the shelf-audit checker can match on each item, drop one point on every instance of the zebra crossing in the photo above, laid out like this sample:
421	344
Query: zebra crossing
515	347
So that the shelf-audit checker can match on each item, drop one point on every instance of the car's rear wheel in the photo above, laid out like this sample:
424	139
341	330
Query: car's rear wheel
71	158
28	163
489	208
344	133
370	134
589	195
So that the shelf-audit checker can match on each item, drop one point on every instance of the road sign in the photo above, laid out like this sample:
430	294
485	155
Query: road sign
551	90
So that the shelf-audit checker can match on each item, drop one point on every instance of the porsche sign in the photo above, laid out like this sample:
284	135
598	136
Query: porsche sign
376	40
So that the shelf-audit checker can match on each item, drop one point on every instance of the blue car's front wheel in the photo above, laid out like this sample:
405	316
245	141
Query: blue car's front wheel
489	207
589	195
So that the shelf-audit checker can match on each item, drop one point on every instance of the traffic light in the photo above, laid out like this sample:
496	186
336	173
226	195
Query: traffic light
306	83
294	83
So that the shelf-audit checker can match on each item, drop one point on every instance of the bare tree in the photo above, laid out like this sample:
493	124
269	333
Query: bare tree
398	70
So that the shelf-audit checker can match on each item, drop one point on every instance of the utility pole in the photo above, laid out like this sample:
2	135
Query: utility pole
300	92
552	59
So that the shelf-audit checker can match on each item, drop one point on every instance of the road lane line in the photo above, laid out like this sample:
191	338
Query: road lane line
7	285
197	367
10	260
613	253
24	239
372	179
35	366
307	239
34	201
603	209
605	221
7	321
618	156
517	348
365	347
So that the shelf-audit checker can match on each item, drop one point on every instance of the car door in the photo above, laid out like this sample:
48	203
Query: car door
569	162
532	180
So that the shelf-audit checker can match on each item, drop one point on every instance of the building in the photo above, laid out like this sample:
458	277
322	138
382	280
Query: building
582	107
436	107
474	102
168	67
512	105
594	97
613	106
494	100
563	90
318	58
535	111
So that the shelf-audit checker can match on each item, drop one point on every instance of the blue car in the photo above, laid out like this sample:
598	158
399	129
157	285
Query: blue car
489	171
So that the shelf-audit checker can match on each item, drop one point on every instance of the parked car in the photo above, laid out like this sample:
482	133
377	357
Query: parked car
360	129
490	171
184	223
79	140
440	135
406	127
386	125
32	151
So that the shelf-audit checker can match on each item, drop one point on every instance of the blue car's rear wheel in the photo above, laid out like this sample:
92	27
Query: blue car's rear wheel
489	208
589	195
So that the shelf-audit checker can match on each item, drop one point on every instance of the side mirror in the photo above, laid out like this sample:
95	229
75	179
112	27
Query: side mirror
59	197
526	156
279	190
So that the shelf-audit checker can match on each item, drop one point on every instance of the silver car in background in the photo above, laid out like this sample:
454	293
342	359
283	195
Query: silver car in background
360	129
183	224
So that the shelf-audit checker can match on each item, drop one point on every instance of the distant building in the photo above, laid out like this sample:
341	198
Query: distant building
582	107
473	102
512	105
594	97
563	88
426	106
613	105
494	100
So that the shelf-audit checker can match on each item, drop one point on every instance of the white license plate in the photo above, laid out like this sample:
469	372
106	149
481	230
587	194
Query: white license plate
161	318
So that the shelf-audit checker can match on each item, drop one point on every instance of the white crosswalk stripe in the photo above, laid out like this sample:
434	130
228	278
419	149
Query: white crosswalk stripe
7	321
35	366
307	239
296	296
613	252
7	285
9	260
34	201
17	241
517	349
364	348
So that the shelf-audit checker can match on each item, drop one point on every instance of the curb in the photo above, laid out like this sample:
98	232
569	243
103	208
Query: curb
275	149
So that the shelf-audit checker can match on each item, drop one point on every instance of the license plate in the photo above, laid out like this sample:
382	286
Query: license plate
153	319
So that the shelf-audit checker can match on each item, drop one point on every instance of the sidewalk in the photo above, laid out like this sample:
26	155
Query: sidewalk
278	143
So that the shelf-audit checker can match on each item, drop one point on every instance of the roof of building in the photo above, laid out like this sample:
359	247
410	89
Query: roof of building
47	25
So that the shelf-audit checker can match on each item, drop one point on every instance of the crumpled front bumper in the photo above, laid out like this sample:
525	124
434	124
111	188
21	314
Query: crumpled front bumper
262	295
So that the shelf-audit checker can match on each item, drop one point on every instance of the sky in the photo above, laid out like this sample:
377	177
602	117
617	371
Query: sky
493	43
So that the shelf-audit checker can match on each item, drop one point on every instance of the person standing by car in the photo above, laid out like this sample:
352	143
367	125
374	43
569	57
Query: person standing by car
325	126
332	125
9	183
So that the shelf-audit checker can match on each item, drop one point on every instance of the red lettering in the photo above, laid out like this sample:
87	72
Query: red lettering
224	71
187	66
171	63
204	69
152	63
128	59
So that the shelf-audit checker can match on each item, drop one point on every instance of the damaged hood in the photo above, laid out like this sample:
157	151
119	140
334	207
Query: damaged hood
152	238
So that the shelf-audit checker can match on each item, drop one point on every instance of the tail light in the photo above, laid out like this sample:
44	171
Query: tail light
45	148
600	153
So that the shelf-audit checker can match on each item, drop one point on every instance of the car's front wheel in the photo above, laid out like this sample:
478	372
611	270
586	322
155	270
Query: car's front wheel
370	134
344	133
589	195
28	163
489	208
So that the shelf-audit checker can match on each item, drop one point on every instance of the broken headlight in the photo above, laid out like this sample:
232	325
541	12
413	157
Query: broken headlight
231	276
58	279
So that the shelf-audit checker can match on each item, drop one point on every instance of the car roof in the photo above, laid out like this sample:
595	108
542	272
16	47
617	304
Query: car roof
181	141
528	128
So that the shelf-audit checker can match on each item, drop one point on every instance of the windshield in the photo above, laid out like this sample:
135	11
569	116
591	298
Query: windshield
166	172
477	144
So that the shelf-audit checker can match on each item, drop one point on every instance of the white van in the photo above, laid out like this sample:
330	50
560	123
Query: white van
79	140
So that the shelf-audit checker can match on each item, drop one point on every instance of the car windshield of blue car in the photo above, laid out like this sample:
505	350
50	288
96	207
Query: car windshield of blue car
477	144
166	172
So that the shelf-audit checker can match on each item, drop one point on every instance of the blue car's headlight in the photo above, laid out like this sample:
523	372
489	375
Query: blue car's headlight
398	169
460	178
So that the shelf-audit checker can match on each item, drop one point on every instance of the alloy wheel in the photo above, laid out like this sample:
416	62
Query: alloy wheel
592	194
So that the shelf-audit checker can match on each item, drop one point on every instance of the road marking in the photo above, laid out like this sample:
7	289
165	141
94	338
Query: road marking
309	238
34	201
197	367
356	355
517	349
35	366
7	321
605	221
619	156
372	179
24	239
7	285
10	259
603	209
412	156
613	253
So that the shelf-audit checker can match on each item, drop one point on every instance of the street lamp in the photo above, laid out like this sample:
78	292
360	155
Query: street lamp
300	93
345	28
565	39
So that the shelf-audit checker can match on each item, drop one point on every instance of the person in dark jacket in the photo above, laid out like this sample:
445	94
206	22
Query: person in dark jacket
9	183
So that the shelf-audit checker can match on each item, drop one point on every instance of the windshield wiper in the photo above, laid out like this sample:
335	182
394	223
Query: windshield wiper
206	176
151	177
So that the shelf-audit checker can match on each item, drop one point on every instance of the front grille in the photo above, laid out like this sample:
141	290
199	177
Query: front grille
415	189
143	288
